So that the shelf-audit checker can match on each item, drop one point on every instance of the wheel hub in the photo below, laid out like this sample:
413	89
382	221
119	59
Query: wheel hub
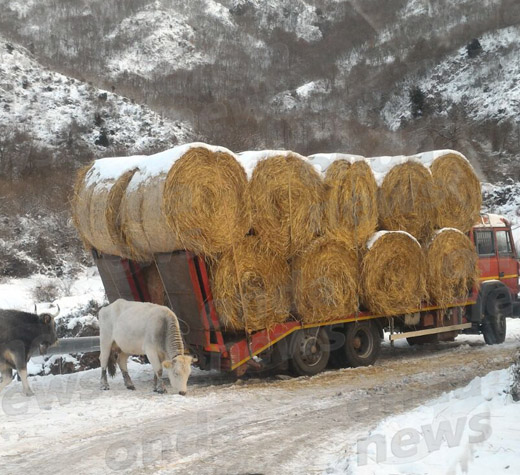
310	350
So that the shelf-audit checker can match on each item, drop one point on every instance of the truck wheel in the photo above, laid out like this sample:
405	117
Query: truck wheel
494	329
310	351
362	343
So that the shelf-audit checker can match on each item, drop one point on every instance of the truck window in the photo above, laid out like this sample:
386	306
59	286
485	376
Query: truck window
484	243
504	243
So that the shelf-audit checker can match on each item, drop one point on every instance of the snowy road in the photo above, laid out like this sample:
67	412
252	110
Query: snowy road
253	426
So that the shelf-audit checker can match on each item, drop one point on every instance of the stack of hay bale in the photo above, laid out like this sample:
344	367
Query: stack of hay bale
318	238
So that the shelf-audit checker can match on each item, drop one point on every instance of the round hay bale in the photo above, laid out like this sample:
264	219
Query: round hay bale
459	192
452	267
326	280
204	200
351	204
251	287
407	200
144	222
105	218
393	274
81	206
286	197
98	190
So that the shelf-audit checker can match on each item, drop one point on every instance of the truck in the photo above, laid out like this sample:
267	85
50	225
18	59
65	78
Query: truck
181	281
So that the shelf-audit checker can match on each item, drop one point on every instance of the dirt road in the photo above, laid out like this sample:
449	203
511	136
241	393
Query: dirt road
253	426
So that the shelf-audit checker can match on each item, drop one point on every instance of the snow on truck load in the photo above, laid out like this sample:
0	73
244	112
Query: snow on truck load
274	256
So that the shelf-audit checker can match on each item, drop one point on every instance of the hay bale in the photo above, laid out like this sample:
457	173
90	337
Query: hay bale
393	274
204	199
144	222
452	267
459	191
285	196
105	218
407	200
325	281
98	191
251	287
81	206
351	203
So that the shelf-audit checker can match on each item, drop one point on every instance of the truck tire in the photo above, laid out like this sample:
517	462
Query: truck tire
362	343
494	329
309	351
498	307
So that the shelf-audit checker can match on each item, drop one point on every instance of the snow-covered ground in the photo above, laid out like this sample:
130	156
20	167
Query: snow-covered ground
280	426
473	430
301	425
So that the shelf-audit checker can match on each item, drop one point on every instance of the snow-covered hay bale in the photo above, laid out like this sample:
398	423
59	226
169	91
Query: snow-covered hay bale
452	267
81	206
145	225
407	200
286	198
351	203
204	199
105	217
393	274
251	286
460	196
98	191
325	281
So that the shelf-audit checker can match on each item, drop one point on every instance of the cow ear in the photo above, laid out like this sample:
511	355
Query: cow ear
167	364
45	318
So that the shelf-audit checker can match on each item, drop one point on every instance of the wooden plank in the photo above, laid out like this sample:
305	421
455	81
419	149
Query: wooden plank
430	331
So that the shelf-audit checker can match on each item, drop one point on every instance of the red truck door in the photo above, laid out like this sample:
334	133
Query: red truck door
507	264
484	239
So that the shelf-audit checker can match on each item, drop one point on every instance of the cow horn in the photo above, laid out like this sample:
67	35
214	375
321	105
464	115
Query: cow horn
58	312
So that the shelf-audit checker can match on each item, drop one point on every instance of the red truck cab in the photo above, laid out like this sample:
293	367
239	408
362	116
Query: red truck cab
498	258
499	270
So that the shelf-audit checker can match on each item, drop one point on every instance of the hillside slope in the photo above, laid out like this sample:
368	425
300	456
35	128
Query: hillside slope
311	75
66	119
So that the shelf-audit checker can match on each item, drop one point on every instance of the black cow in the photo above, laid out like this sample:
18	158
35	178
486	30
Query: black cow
21	333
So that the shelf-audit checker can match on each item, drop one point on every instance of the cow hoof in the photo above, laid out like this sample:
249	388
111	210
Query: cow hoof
131	388
29	393
104	387
160	391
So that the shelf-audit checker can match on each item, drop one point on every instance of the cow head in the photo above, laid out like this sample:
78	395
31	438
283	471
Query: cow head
48	332
179	369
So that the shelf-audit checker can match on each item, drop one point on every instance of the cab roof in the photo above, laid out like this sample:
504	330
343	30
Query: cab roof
488	220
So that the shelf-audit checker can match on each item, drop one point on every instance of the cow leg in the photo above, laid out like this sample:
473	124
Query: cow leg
7	376
21	367
122	361
105	347
158	383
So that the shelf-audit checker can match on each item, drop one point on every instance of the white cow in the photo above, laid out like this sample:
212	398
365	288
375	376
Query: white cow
137	328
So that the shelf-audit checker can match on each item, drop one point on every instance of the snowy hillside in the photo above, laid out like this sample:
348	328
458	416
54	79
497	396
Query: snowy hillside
306	75
61	112
487	86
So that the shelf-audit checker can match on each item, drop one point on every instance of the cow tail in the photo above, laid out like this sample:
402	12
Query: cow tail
174	343
111	365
